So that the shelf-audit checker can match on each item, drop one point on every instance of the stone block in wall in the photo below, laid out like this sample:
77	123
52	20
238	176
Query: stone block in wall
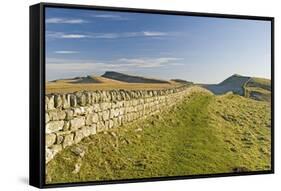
78	111
54	126
111	124
96	107
57	115
50	139
76	123
134	116
68	140
69	114
58	101
66	126
65	101
116	112
89	120
73	100
46	103
88	110
79	135
123	94
106	125
88	98
59	139
47	118
86	131
111	113
95	117
81	98
113	95
122	111
93	129
100	126
126	104
92	118
120	120
48	154
135	102
118	95
115	122
104	96
95	97
105	106
120	104
114	104
52	151
50	102
141	101
56	148
105	115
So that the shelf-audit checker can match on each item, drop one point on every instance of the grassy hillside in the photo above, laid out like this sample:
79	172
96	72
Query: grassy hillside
204	134
258	89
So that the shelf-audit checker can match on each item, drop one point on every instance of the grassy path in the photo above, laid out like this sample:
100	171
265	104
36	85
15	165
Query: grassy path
183	141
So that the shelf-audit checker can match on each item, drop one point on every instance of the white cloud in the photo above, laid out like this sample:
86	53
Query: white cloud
109	16
71	36
116	63
148	62
65	21
151	33
57	67
62	35
66	52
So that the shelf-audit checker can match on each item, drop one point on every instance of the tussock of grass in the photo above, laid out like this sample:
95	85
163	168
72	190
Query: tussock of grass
204	134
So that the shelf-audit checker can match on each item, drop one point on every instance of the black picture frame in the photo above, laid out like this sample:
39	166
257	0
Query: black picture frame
37	93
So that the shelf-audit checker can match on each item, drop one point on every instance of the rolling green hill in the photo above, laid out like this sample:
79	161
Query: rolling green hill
204	134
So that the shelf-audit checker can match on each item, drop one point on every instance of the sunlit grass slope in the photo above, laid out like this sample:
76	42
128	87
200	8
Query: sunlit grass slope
204	134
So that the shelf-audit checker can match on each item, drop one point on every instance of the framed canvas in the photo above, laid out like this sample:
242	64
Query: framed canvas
123	95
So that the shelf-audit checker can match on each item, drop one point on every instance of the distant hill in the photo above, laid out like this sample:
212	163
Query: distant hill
251	87
108	81
234	83
75	80
182	81
87	79
130	78
258	89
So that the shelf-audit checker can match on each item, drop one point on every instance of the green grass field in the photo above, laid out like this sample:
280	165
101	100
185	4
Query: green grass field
204	134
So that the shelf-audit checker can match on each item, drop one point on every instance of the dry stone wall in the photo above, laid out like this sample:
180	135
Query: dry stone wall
73	116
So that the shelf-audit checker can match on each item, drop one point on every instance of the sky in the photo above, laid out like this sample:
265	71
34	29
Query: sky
83	42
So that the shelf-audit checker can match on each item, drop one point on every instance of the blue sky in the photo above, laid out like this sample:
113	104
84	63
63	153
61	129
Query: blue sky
198	49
